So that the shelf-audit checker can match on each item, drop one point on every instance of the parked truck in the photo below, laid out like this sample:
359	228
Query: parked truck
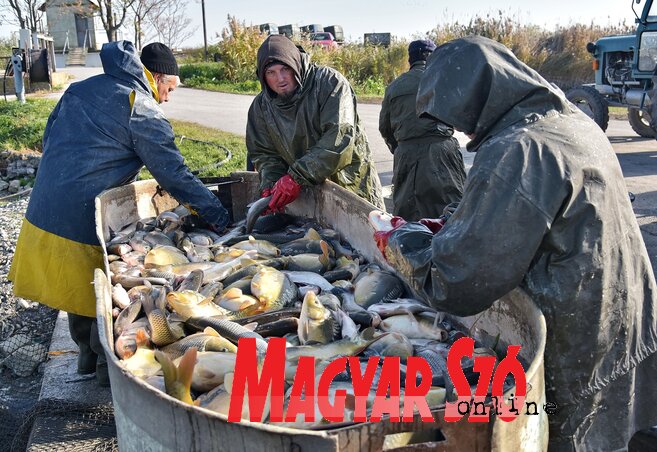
307	30
377	39
624	67
291	31
268	29
337	32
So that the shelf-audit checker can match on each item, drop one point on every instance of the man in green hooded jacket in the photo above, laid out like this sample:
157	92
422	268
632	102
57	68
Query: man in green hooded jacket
545	208
303	128
428	171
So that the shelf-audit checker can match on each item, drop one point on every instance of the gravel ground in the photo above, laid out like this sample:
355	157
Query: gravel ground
18	317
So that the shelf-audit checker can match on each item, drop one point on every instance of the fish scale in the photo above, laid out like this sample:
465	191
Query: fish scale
228	329
202	342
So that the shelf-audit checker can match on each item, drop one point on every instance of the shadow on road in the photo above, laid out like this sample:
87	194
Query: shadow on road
385	177
638	163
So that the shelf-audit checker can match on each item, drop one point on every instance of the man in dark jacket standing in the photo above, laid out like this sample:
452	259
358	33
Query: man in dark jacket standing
100	134
303	128
545	208
428	171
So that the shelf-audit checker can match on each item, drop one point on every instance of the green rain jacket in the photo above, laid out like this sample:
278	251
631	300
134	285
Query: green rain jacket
313	136
545	208
428	168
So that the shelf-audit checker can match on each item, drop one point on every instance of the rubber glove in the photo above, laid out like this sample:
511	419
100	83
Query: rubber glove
268	211
434	224
285	191
381	237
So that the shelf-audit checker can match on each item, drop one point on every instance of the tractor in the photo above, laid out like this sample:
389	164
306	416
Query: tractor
624	70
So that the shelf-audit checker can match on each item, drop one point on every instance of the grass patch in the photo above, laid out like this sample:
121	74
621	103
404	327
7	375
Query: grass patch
200	155
22	125
251	87
618	113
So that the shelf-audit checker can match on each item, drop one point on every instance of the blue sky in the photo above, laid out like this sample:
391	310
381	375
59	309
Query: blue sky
402	18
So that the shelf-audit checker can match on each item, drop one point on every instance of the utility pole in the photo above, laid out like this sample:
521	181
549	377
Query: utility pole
205	35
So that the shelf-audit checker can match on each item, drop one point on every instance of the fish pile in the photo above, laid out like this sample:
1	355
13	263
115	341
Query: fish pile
183	296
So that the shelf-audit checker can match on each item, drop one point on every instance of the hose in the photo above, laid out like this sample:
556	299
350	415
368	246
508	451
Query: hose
197	171
16	195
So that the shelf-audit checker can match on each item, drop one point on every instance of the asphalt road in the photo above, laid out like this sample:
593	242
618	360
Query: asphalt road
228	112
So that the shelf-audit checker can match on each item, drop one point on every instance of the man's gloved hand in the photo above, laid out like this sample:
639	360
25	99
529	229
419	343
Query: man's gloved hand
381	237
434	224
268	211
285	191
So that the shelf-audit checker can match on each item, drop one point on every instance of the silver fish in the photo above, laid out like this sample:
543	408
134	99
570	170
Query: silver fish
255	210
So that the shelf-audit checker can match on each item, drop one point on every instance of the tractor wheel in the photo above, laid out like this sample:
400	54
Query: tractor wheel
591	102
640	122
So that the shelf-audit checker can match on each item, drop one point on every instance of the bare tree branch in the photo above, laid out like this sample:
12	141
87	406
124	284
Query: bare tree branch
109	10
170	23
141	9
24	13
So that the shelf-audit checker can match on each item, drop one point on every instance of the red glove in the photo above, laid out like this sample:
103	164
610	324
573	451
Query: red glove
381	237
434	224
263	194
284	192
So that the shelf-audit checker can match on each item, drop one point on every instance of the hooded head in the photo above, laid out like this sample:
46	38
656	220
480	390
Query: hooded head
162	64
278	50
420	50
479	87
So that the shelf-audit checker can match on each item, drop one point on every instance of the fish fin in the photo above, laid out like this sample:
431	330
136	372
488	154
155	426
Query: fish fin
246	303
172	381
211	331
251	238
141	338
186	369
246	261
233	292
312	234
367	334
324	258
251	326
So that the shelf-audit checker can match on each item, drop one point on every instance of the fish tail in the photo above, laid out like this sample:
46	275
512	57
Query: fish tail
178	380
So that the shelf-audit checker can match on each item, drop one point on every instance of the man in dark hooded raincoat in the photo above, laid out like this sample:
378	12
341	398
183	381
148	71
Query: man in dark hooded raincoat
545	207
303	128
428	171
99	136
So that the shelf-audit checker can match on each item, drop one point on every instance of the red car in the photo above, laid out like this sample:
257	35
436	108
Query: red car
323	39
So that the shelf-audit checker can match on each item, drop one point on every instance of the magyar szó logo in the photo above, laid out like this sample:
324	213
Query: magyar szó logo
263	383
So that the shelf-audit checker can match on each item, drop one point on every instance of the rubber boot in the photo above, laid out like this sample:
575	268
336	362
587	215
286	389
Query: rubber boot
80	328
102	376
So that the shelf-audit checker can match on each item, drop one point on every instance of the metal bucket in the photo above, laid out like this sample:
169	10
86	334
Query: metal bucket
148	420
